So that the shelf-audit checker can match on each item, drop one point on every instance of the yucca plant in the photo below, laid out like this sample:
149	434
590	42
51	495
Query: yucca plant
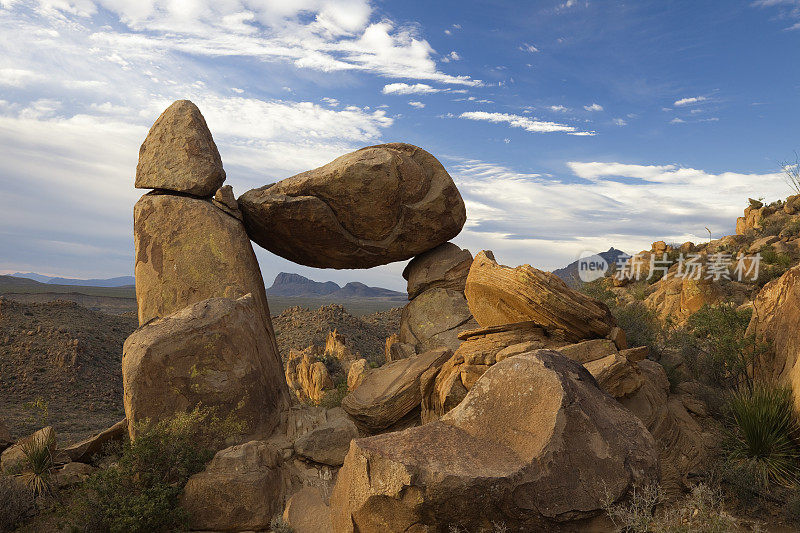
764	433
38	452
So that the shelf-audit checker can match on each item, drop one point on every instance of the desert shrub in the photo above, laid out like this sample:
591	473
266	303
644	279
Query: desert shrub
762	434
792	228
599	290
702	511
723	354
333	398
770	257
139	492
38	463
640	289
640	323
278	525
17	503
636	514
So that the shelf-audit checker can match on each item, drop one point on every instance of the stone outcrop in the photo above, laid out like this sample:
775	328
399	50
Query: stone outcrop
179	154
356	374
679	298
752	217
308	377
390	392
681	445
217	353
547	467
336	346
444	267
328	443
188	250
241	489
84	451
306	512
499	295
438	310
776	320
371	207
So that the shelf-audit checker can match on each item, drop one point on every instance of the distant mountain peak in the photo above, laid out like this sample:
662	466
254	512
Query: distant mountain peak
290	284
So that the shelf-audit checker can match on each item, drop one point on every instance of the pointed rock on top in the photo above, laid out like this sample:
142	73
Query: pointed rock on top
179	154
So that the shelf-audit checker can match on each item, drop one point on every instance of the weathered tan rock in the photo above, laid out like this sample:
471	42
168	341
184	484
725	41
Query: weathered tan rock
636	354
84	450
679	298
617	335
434	319
390	392
336	346
480	346
329	442
216	353
616	375
356	373
397	350
225	200
306	512
441	389
444	267
588	351
179	153
500	295
13	458
547	467
776	320
306	376
681	446
371	207
187	250
241	489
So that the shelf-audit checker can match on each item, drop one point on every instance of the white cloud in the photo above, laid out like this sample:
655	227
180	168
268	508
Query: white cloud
558	108
333	102
677	120
17	77
518	121
689	101
525	47
620	122
405	88
522	215
593	107
418	105
452	56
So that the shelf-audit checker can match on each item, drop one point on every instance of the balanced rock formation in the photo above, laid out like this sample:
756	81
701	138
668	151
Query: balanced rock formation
549	466
438	310
179	154
499	295
217	353
390	392
371	207
241	489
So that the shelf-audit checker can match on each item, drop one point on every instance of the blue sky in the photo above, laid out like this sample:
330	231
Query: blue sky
568	125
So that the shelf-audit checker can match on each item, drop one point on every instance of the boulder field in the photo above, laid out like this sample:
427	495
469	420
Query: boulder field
507	397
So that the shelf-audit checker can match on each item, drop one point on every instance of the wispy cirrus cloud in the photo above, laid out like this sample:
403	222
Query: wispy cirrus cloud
690	100
528	124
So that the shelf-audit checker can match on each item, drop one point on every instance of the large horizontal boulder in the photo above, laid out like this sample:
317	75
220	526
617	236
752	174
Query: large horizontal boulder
499	295
179	153
390	392
241	489
371	207
188	250
776	320
445	267
216	353
550	466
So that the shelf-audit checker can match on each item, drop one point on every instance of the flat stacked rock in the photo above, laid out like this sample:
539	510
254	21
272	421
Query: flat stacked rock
550	466
371	207
499	295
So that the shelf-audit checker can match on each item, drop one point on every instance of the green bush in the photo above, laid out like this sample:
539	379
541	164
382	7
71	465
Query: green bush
598	289
17	503
771	257
641	325
723	355
139	492
333	398
763	434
